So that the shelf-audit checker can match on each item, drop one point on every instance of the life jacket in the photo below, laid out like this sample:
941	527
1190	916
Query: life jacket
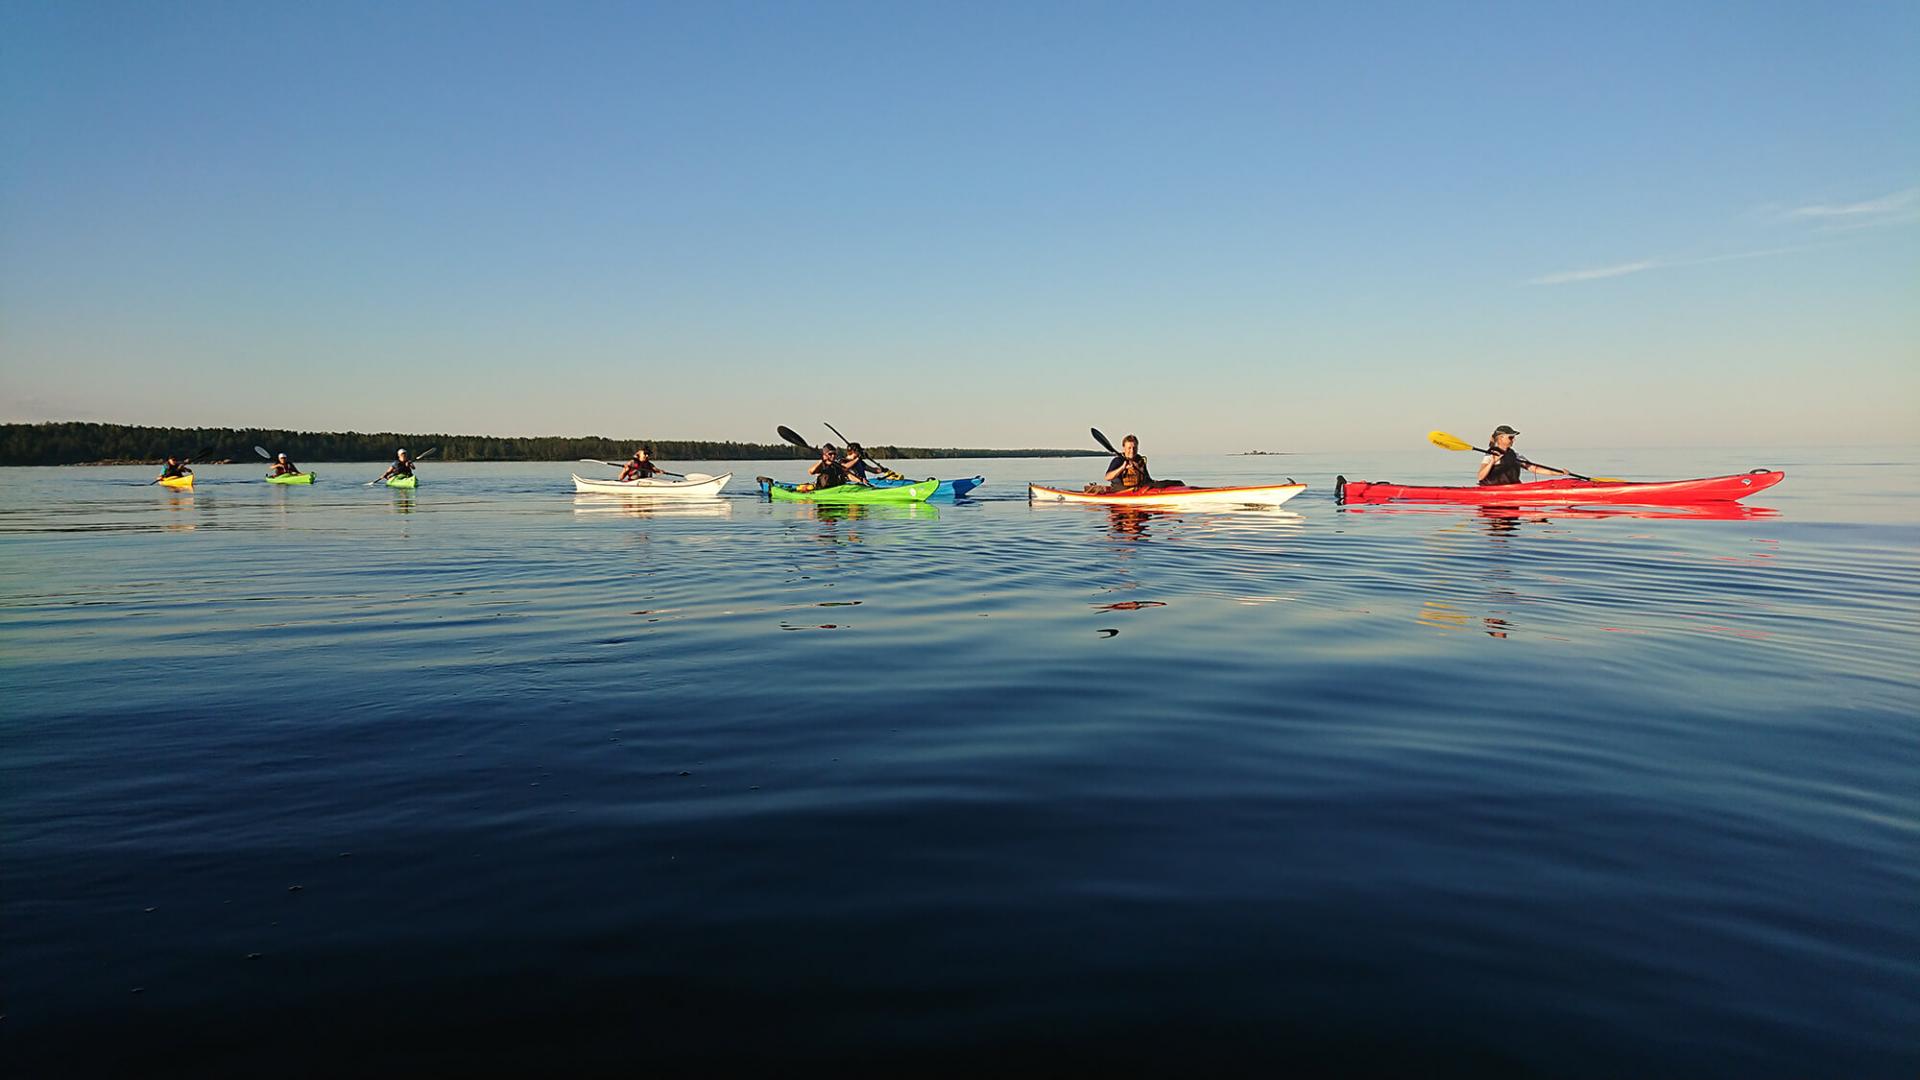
1504	471
1135	474
831	474
639	470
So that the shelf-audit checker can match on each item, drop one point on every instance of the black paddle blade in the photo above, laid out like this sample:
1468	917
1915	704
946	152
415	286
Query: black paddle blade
793	437
1102	440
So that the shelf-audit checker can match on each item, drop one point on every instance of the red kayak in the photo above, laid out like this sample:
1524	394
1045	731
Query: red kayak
1567	492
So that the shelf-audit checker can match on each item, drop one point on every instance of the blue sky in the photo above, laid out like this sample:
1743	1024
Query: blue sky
1223	226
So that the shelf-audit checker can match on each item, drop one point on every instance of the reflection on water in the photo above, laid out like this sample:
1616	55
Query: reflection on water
1129	523
911	511
1714	511
629	506
1444	616
182	503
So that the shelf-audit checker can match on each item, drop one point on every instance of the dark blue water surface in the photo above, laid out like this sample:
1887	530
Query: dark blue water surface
487	776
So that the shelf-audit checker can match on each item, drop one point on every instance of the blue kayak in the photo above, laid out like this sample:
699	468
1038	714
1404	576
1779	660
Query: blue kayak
948	488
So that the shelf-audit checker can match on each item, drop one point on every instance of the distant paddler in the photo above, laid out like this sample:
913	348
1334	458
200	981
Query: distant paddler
642	466
283	466
402	467
174	469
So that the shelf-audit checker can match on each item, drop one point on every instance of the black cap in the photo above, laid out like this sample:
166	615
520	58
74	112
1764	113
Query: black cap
1504	430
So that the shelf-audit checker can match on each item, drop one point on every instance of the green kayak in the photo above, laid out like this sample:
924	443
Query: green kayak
291	478
403	481
854	493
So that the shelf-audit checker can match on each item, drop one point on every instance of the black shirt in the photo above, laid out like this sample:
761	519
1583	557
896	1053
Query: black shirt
829	474
1504	471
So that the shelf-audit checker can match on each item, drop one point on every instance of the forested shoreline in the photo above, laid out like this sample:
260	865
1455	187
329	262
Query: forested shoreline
81	443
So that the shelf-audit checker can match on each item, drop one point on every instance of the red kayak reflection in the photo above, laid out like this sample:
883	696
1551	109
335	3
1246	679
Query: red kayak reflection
1713	511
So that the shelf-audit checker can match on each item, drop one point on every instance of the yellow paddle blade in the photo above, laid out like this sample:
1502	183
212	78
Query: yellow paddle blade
1449	442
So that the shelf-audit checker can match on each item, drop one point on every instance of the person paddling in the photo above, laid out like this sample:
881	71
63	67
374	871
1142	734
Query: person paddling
173	469
641	466
857	466
402	466
1128	469
1502	464
283	466
830	472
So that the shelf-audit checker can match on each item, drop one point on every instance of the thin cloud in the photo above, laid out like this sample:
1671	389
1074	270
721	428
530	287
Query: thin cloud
1597	272
1886	204
1622	270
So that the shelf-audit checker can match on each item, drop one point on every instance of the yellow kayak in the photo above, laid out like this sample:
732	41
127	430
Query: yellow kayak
178	483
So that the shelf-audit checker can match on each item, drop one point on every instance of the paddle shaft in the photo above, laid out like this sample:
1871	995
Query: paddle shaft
1537	465
623	468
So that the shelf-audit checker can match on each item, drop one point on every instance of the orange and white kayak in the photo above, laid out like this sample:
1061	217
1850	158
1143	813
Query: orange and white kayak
1176	495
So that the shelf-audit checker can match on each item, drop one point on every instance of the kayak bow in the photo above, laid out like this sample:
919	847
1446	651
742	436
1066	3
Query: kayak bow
948	489
178	483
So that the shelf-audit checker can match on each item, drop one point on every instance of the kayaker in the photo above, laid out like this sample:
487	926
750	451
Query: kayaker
1128	469
402	466
1503	463
284	467
173	468
857	466
641	466
829	472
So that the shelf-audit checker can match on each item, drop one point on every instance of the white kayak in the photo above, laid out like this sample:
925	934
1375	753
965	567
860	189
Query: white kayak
1173	495
696	486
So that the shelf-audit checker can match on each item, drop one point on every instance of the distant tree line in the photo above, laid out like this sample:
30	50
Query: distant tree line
75	443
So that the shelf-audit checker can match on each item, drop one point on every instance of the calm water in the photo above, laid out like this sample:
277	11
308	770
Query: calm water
490	776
